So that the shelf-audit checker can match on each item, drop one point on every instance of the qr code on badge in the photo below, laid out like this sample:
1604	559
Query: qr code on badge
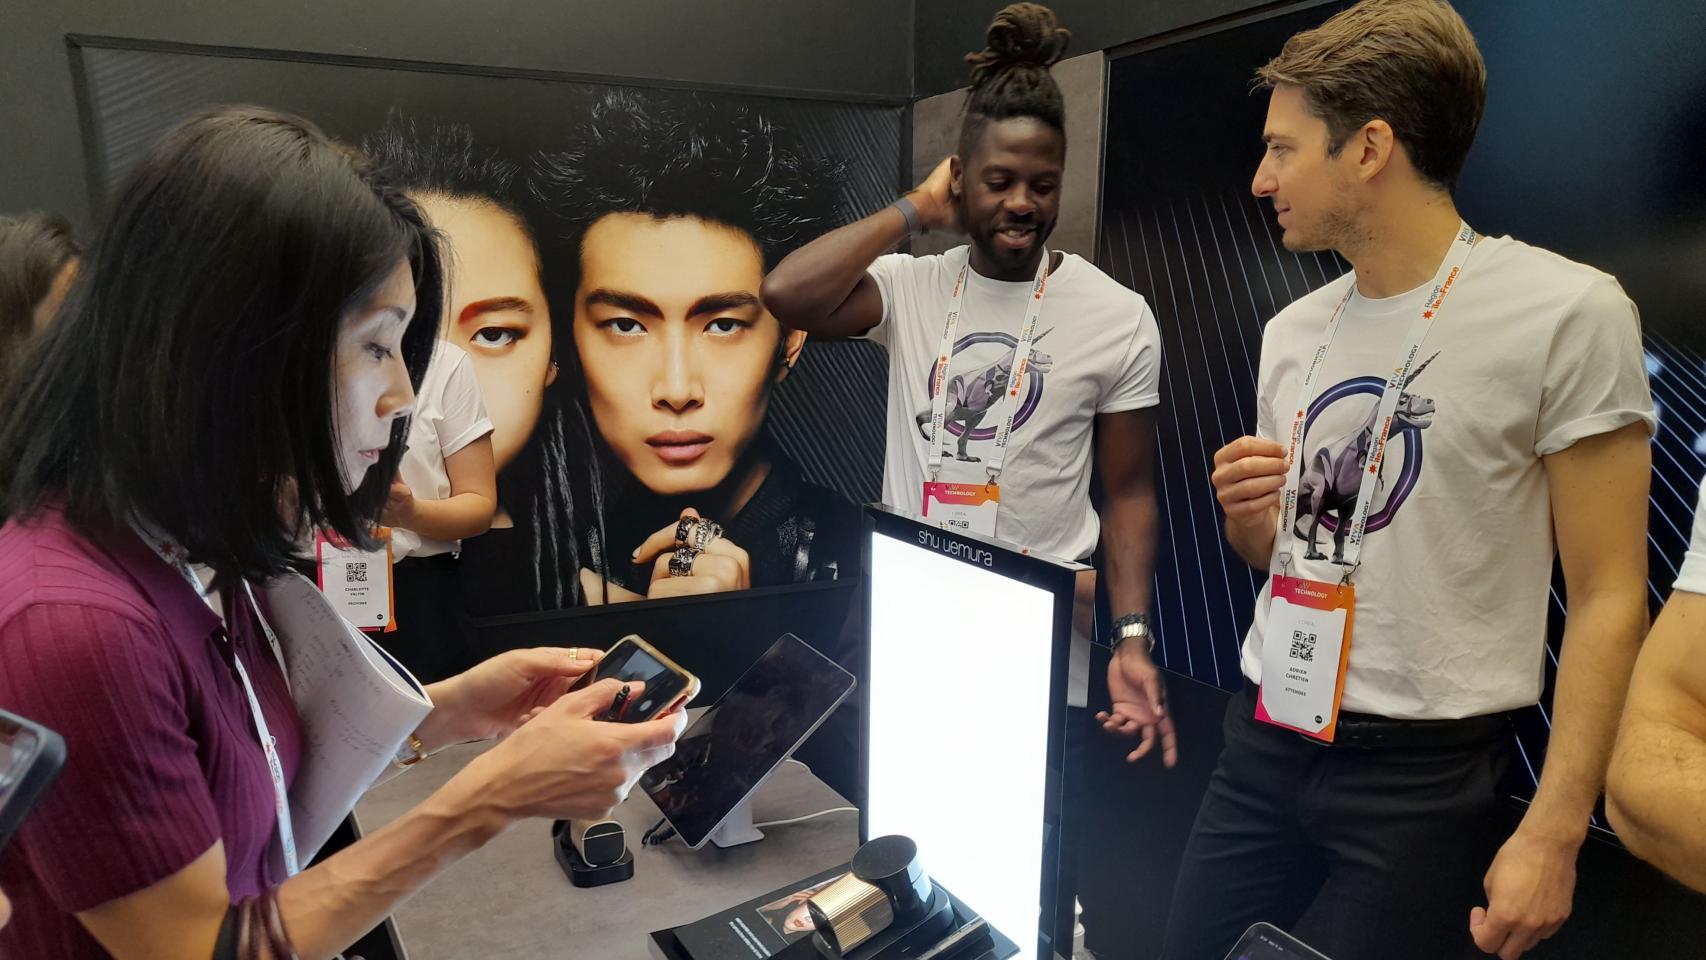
356	573
1303	646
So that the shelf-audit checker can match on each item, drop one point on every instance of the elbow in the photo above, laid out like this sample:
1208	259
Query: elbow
787	301
1617	797
1625	804
482	521
1630	830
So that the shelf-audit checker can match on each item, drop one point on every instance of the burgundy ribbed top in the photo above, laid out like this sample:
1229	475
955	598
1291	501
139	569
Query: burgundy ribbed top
103	642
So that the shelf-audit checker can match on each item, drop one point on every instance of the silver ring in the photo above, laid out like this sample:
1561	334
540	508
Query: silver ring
704	534
683	528
681	563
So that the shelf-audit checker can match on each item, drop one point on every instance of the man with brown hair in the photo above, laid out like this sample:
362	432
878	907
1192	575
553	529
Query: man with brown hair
1357	799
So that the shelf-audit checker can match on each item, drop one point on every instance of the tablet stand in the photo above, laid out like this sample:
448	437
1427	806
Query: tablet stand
737	827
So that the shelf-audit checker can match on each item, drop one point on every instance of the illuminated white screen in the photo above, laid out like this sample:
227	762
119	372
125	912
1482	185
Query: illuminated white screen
959	697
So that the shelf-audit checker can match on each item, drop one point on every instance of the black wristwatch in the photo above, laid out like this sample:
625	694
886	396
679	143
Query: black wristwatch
1132	626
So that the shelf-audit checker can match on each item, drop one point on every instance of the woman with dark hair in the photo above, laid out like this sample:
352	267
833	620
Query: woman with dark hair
38	260
669	359
234	369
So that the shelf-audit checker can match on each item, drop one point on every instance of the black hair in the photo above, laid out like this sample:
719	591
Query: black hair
34	248
441	158
688	155
665	155
541	486
189	380
1010	78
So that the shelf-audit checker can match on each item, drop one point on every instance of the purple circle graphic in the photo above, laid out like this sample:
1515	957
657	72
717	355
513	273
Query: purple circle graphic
1412	437
1033	385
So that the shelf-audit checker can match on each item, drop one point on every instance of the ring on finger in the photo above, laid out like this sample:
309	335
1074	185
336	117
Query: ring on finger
574	653
684	529
705	533
681	562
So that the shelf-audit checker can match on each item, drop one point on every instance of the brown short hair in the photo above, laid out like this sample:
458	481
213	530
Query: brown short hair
1412	63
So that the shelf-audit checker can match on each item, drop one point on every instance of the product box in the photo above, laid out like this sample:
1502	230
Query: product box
765	926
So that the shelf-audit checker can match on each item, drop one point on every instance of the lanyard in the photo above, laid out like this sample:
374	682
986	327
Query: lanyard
173	555
1016	377
1449	272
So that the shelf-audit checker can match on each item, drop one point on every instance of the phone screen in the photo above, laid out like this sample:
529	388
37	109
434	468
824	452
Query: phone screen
1265	942
18	747
628	662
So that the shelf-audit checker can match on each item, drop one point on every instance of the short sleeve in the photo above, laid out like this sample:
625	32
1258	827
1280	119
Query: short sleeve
464	410
1264	396
1139	382
132	806
1692	576
1596	373
891	272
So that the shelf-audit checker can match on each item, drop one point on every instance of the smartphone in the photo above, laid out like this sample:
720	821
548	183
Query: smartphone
1264	941
31	755
668	686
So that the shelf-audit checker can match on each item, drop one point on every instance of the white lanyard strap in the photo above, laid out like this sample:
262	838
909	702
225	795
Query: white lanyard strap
173	556
1449	272
1011	401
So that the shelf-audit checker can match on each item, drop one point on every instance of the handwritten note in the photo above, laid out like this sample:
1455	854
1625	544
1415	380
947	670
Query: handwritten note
357	705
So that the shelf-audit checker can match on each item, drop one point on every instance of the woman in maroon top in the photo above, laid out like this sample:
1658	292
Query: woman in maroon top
234	366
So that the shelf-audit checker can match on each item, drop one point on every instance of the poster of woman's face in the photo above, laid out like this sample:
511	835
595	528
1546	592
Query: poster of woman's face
606	247
789	915
497	313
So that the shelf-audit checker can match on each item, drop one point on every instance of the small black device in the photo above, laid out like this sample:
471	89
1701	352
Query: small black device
600	843
730	748
632	659
592	854
1264	941
31	756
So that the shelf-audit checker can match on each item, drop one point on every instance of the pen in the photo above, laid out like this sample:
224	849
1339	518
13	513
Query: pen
616	705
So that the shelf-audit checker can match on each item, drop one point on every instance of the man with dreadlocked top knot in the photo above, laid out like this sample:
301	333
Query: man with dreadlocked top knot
1054	365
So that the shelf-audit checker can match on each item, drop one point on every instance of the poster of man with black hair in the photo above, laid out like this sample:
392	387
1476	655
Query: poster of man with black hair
645	393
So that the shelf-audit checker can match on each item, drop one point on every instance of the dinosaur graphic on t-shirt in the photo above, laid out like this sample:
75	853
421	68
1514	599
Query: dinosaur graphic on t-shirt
1333	480
969	401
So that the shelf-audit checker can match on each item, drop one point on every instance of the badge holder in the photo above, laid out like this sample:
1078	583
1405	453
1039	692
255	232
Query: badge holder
1306	647
359	583
963	507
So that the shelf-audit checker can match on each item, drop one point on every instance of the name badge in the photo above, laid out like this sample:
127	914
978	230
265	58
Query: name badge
357	582
966	507
1304	650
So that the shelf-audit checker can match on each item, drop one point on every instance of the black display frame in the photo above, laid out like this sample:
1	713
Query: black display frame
1059	578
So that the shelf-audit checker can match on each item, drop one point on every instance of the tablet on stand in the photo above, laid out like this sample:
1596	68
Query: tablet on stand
705	790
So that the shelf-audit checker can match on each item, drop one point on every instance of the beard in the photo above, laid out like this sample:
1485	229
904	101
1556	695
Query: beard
1338	227
982	236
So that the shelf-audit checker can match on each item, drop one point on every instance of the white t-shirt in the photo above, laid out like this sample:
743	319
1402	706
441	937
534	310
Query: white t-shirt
1530	353
1692	576
449	415
1097	349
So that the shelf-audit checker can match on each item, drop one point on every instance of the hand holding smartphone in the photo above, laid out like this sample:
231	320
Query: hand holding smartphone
667	685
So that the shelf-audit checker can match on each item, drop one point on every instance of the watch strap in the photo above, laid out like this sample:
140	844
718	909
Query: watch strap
909	210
